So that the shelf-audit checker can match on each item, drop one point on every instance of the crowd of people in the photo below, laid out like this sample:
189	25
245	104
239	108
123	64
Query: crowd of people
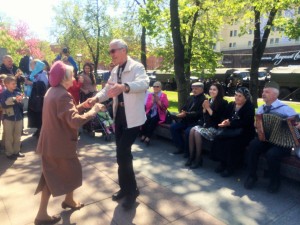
63	99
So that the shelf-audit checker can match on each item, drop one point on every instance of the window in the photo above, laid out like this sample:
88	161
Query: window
271	41
273	28
249	43
234	45
231	33
230	45
250	31
298	10
297	39
276	40
235	33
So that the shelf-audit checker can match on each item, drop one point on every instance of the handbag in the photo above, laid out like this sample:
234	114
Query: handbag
169	118
225	132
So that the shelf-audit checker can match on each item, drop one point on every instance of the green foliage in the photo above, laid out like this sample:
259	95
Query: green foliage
12	45
86	28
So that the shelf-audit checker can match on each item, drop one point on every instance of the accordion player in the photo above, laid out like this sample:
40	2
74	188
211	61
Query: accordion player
277	130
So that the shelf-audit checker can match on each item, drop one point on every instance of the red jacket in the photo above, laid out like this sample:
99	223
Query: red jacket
75	90
162	110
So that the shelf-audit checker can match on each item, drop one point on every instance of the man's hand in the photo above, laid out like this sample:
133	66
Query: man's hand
90	102
115	89
182	114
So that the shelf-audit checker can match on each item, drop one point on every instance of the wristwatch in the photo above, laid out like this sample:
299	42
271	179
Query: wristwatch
127	88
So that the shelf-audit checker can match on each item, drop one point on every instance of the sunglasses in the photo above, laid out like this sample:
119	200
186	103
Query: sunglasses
112	51
156	86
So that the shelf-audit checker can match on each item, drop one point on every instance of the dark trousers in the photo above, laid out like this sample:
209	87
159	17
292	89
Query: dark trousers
273	154
149	126
124	140
177	138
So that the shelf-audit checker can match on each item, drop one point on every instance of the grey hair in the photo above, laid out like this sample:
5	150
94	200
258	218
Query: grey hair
120	43
69	72
276	91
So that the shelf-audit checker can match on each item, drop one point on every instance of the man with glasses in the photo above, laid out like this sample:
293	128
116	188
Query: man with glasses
127	86
190	113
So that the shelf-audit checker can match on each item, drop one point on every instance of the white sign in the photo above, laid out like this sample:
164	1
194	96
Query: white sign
278	58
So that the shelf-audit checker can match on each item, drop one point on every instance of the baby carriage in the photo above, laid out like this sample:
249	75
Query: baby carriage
103	123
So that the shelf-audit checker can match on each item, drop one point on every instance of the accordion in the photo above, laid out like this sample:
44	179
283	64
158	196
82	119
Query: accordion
277	130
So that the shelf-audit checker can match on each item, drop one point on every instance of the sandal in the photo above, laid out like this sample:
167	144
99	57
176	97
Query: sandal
53	220
65	205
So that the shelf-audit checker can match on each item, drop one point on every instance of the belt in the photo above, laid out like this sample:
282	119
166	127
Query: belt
121	104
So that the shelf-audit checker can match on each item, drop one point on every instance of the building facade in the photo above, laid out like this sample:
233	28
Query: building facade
280	50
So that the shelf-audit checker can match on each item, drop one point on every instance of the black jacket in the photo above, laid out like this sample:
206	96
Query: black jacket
217	116
24	64
244	118
193	108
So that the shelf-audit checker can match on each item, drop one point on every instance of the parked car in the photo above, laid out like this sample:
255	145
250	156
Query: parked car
102	75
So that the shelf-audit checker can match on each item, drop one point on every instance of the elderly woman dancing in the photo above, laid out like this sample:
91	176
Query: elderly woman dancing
61	169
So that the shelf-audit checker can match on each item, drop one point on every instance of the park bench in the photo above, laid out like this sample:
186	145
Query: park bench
290	166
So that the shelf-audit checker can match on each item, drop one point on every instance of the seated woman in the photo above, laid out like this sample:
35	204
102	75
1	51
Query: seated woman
212	114
156	110
229	149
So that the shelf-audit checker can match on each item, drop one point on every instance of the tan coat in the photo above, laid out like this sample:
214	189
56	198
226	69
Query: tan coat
61	169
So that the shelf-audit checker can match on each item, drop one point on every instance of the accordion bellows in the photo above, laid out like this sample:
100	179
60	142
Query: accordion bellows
277	130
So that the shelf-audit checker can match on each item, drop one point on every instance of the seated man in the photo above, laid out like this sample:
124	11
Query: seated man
190	113
273	153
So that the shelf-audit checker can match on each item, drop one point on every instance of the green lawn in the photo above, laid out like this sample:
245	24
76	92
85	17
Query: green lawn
173	102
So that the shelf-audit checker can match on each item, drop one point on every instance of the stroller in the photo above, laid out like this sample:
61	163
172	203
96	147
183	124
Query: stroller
103	123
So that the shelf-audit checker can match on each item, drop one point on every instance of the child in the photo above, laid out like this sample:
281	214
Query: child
11	102
106	120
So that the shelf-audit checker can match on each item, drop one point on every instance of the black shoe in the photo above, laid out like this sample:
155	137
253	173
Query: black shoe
19	154
250	182
273	186
197	164
11	157
118	195
36	133
227	173
189	162
129	201
220	168
178	152
147	143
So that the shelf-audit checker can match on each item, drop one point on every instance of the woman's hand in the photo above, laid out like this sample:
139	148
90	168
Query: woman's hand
225	123
206	105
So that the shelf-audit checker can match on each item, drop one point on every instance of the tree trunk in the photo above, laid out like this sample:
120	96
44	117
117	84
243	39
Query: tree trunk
178	54
143	48
258	49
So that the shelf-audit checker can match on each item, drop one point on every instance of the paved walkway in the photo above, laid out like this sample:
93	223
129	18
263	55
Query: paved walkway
170	193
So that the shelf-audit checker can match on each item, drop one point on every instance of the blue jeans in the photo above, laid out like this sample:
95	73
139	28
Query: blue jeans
177	137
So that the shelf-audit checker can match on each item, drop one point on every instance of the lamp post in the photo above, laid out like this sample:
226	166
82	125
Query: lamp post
79	58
